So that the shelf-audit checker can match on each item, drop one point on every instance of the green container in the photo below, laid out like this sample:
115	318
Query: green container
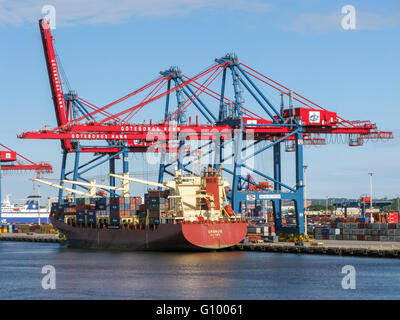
142	213
154	221
154	207
82	200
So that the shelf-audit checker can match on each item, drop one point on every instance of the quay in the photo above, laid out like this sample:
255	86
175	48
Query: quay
329	247
31	237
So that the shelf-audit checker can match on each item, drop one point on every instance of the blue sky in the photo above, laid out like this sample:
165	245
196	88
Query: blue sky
109	48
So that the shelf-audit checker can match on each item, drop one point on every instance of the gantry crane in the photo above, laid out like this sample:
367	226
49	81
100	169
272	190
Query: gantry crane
11	161
229	123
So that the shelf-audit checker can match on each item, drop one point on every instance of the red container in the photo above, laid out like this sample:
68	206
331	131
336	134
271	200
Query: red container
365	199
393	217
124	213
135	200
114	200
80	207
360	237
154	214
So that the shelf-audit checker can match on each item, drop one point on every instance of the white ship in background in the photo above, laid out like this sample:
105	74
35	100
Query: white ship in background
30	212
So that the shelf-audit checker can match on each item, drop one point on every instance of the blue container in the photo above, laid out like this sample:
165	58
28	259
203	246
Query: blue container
101	200
325	231
80	219
114	207
91	219
91	213
114	220
154	200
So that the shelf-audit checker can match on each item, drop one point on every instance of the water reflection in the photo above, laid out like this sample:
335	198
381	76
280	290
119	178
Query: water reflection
83	274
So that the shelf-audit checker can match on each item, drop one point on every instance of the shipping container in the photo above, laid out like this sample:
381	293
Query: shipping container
325	231
383	232
114	220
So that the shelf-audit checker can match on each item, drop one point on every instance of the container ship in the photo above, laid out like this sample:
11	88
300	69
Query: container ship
30	212
189	212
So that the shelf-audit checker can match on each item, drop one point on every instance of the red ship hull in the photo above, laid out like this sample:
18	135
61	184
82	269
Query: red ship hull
166	237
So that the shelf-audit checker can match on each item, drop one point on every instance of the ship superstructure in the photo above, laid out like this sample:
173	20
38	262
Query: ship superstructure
30	212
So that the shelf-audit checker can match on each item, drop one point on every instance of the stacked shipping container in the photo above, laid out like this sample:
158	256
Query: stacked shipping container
359	231
94	211
114	211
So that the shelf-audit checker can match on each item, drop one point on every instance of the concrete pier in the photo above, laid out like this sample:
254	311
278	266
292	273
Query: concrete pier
31	237
330	247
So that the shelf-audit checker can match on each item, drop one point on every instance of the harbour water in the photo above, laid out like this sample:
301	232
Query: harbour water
237	275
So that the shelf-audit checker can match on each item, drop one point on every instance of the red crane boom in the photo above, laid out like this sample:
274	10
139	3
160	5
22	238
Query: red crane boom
14	164
54	78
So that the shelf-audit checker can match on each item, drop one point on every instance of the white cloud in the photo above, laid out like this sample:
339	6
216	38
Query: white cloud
324	23
69	12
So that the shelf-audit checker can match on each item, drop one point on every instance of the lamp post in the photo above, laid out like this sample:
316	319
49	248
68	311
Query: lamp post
370	193
305	200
